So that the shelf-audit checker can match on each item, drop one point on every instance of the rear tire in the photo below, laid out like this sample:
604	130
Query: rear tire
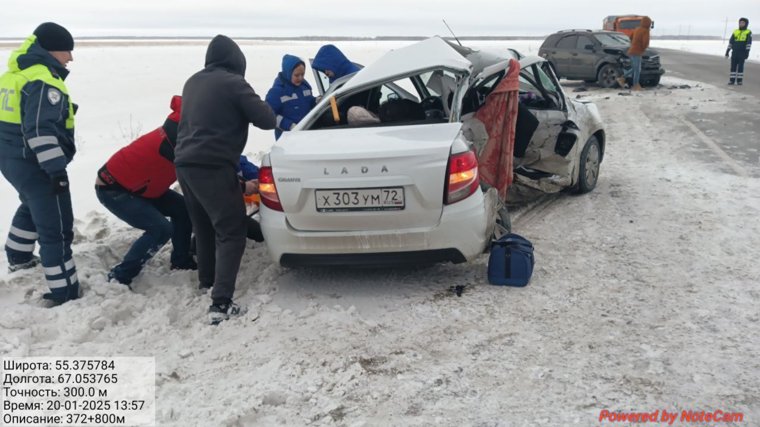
608	75
588	174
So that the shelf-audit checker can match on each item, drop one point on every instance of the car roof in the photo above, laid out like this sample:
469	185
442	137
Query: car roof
571	32
527	61
434	52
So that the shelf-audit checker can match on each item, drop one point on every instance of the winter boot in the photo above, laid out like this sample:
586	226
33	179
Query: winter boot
621	82
189	264
24	265
731	82
217	313
59	296
636	88
113	279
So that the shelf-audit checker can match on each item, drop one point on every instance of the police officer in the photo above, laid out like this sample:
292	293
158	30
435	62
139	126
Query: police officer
740	44
36	144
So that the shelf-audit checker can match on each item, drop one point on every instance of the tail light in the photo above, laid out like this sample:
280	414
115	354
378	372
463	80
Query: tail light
462	173
267	189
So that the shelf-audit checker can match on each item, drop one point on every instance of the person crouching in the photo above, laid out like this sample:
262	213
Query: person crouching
134	186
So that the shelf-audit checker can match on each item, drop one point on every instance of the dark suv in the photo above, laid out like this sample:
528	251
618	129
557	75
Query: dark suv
597	56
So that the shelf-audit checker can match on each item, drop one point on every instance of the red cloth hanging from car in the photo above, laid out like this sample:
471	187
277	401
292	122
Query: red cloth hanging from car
499	115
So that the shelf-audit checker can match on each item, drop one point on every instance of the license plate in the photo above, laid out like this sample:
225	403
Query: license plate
364	199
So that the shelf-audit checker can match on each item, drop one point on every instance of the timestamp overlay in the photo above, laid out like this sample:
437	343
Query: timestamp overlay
78	391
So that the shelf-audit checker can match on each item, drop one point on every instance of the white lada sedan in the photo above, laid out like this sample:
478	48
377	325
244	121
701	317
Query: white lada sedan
380	171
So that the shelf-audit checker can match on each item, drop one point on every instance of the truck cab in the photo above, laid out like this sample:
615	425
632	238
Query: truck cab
623	23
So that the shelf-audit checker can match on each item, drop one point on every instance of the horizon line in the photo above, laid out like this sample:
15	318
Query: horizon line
355	38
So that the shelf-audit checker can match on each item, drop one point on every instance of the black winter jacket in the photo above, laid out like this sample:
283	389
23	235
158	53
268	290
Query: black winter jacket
217	106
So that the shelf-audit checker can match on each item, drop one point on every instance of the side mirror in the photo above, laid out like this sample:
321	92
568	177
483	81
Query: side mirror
589	47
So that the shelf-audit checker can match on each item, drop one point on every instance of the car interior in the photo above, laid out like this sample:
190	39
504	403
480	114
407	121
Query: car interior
418	99
427	99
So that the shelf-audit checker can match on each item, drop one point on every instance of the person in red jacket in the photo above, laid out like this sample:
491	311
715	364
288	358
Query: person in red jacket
134	186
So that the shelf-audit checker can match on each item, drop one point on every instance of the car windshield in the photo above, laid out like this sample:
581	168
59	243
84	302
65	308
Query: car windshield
630	24
613	40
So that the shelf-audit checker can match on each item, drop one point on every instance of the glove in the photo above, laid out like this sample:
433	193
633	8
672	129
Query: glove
60	184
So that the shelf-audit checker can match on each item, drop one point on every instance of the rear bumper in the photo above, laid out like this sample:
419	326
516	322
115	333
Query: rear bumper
459	236
373	259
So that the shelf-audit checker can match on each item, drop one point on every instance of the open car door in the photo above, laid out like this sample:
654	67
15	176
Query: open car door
546	165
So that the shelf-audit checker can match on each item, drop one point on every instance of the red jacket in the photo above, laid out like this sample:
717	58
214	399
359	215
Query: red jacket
145	167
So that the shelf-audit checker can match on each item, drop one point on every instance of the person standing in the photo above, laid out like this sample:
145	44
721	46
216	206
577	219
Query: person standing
134	186
36	145
290	96
218	105
739	46
639	44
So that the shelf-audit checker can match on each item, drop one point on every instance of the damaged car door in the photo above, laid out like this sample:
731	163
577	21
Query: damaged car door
546	163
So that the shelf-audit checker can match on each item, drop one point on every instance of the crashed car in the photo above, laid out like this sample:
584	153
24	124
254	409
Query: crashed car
597	56
402	186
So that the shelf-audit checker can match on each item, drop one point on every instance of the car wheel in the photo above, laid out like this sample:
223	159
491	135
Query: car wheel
590	160
651	82
608	75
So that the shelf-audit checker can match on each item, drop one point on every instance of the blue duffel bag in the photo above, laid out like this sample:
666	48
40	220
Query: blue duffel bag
511	261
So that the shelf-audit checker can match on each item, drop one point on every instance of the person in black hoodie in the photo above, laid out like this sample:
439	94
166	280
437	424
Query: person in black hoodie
217	106
739	46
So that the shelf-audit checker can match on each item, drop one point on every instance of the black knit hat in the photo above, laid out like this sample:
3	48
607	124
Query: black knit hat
53	37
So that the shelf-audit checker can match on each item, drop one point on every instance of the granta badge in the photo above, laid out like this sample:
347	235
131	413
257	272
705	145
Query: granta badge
54	96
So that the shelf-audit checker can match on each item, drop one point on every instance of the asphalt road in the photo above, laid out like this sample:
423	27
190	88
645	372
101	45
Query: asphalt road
709	69
737	132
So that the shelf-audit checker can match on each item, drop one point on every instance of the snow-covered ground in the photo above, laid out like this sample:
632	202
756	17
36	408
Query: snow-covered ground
644	296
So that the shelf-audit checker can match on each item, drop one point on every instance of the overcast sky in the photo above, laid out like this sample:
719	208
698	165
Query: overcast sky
363	18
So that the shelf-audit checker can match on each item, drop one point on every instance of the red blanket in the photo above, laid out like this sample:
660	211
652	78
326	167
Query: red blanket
499	115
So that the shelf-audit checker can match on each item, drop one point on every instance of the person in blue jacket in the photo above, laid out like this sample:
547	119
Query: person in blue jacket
290	96
36	145
331	61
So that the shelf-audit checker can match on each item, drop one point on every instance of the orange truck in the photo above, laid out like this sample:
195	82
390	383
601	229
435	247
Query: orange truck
623	23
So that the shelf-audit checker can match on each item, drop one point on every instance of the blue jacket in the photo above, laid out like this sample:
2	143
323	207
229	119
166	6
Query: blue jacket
247	170
289	102
329	57
44	110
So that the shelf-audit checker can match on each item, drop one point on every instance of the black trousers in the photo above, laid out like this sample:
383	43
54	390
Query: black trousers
215	203
737	69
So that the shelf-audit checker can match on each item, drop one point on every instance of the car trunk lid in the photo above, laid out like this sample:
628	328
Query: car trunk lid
330	180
